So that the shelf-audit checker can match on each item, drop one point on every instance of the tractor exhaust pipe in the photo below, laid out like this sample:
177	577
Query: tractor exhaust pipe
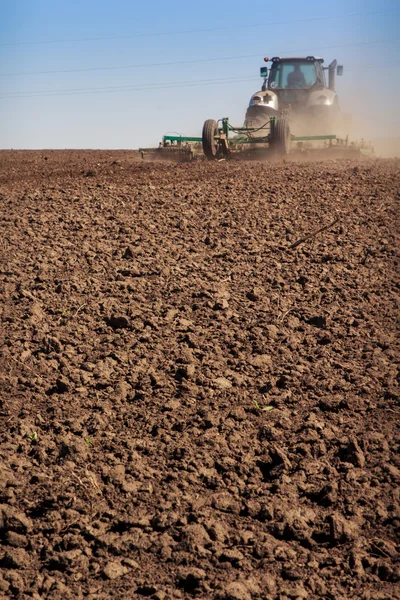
332	73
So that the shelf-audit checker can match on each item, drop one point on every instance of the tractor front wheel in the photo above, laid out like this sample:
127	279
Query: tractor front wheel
281	139
209	139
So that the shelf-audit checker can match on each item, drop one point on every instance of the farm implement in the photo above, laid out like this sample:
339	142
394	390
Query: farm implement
221	140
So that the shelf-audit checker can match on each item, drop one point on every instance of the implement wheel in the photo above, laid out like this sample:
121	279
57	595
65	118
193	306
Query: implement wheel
281	139
210	143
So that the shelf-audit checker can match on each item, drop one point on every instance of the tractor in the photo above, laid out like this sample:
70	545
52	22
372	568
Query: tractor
296	87
295	111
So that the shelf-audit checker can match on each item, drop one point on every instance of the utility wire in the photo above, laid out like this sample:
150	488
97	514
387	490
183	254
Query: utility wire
191	31
142	87
199	60
164	84
127	89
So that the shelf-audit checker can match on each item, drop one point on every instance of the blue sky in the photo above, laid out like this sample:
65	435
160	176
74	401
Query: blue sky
58	59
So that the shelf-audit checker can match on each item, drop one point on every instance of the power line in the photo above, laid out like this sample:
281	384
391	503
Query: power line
184	62
138	89
191	31
152	86
143	86
162	84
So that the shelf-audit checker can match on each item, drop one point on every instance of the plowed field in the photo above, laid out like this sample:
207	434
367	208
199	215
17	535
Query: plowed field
193	404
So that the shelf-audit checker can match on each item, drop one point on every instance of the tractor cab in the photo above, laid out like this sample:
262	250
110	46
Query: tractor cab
296	73
305	73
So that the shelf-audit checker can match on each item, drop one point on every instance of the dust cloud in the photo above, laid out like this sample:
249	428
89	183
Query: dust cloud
374	117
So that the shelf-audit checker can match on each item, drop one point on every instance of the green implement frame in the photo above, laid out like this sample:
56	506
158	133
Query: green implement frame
221	140
270	128
175	147
180	139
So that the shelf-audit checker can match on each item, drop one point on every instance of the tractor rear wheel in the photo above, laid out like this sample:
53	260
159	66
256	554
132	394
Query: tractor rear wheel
210	143
281	139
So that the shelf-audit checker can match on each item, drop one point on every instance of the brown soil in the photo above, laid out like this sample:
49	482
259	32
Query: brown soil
191	407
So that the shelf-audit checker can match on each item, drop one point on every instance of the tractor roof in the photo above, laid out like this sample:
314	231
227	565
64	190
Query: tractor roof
292	58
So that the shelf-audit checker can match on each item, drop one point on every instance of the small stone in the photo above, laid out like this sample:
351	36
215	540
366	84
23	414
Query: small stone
190	371
272	332
25	355
226	503
195	535
253	508
36	312
233	556
173	404
185	324
114	569
186	371
236	591
51	344
14	520
255	294
4	585
221	304
117	474
129	562
122	390
17	582
218	531
69	464
146	487
353	454
61	590
16	539
393	471
72	448
104	369
7	478
222	383
128	253
300	593
341	530
238	414
261	360
15	558
48	583
187	356
237	379
130	487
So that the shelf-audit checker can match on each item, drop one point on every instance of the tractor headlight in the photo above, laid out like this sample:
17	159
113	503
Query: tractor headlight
257	99
323	100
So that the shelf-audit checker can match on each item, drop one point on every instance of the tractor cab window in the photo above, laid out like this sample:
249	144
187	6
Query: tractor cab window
321	74
294	74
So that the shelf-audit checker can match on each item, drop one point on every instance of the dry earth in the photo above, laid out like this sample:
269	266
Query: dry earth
190	406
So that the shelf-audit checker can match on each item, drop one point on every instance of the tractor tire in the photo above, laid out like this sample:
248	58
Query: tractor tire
281	140
210	145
